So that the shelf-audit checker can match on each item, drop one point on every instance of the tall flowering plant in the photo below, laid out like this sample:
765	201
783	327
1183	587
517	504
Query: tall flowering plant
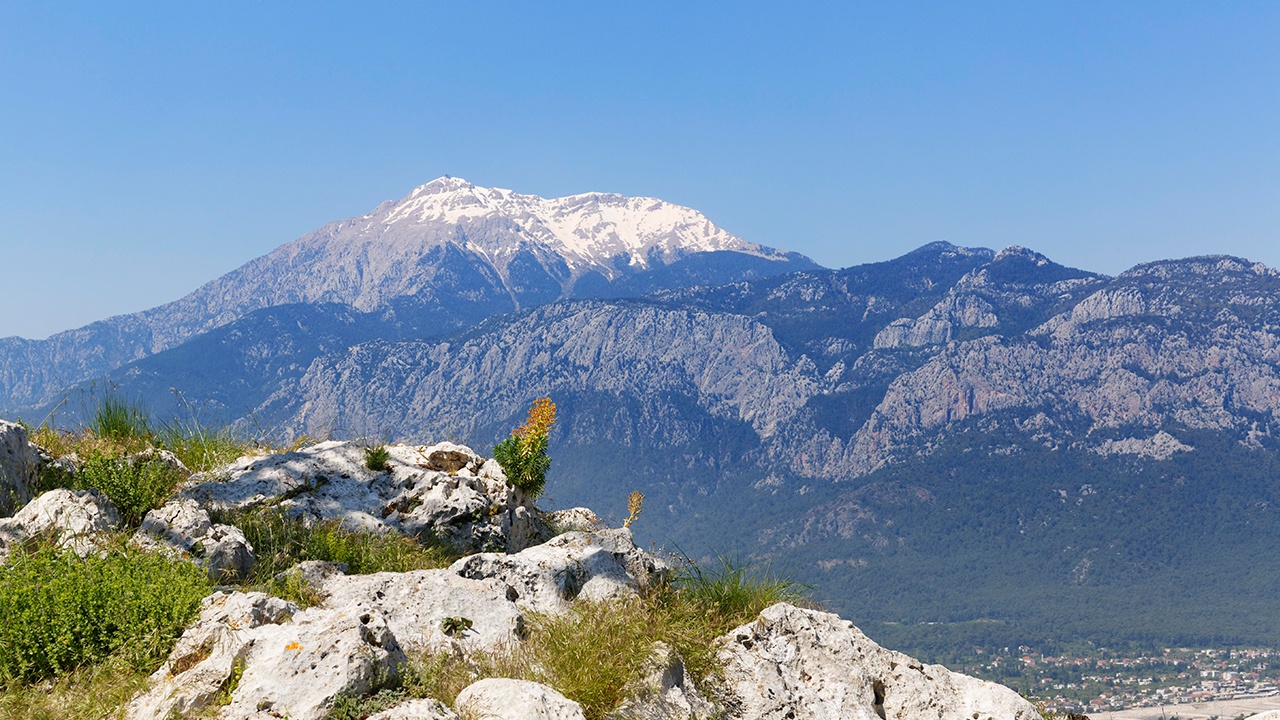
523	454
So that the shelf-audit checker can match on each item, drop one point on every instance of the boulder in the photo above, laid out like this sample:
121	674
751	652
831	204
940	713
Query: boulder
505	699
471	508
449	458
665	692
797	663
417	604
163	457
417	710
577	519
76	518
19	466
295	669
181	527
202	663
545	578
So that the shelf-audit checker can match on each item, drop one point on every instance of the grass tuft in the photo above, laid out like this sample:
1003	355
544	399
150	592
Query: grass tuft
281	541
120	420
202	448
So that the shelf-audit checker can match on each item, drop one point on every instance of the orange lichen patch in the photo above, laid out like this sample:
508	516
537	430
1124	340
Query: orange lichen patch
293	646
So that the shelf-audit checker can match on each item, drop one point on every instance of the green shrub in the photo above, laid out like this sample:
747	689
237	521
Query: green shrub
375	458
61	611
135	486
523	454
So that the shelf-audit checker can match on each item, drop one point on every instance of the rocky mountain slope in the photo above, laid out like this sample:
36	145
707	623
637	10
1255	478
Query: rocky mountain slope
853	424
253	656
444	256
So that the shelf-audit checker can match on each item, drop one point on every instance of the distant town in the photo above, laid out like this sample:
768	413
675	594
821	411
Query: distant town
1105	680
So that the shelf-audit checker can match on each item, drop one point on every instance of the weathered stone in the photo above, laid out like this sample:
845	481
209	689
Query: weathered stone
505	699
183	528
545	578
329	481
578	519
163	457
295	670
796	663
450	458
76	518
415	605
206	656
665	693
19	465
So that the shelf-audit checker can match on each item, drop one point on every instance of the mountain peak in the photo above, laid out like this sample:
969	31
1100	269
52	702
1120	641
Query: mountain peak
590	229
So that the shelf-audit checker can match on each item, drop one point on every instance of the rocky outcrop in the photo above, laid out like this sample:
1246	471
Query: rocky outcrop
445	492
19	464
182	527
252	656
74	519
797	663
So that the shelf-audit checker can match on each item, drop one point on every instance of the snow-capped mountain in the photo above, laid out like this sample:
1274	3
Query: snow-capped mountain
590	230
446	255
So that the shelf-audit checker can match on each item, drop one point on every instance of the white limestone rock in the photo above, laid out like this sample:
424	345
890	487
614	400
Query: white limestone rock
206	655
472	508
505	699
577	519
77	518
417	710
19	465
181	527
545	578
797	663
416	604
295	669
665	693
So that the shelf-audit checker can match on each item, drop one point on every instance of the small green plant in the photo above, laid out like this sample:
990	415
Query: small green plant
375	458
62	611
523	454
455	626
134	486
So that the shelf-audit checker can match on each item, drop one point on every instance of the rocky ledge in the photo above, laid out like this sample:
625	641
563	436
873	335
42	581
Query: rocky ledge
252	655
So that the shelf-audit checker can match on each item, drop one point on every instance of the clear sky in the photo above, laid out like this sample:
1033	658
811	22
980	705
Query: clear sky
148	147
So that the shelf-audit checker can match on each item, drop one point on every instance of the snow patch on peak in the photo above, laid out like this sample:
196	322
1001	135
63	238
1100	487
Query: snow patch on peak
588	229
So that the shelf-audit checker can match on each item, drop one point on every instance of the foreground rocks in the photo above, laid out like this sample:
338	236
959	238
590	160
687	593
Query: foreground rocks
250	656
797	663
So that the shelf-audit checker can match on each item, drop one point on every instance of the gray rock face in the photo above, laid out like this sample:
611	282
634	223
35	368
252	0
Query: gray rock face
182	527
461	252
76	518
471	507
19	463
547	577
503	699
795	663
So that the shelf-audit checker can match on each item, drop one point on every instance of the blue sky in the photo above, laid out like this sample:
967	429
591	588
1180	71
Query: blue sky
148	147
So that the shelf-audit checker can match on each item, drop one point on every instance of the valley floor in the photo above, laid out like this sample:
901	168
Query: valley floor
1196	711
